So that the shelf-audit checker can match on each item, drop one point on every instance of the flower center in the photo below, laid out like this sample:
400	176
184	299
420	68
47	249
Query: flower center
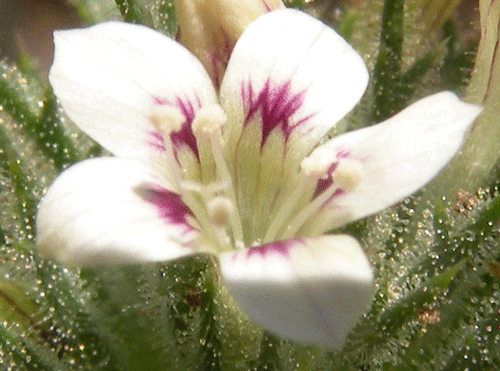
211	196
322	177
212	199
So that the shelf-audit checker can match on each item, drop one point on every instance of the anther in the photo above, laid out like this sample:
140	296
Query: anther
313	167
220	211
348	174
317	163
208	120
167	119
206	127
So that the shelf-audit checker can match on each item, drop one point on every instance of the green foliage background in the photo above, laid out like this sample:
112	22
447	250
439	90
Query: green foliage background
436	258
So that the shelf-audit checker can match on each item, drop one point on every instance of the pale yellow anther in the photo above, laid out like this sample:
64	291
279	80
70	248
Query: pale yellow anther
167	119
348	174
220	210
316	165
208	120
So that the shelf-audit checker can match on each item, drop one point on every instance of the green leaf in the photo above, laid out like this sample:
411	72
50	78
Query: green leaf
474	164
24	201
131	11
210	350
95	11
40	117
160	15
21	352
458	62
436	12
388	66
298	4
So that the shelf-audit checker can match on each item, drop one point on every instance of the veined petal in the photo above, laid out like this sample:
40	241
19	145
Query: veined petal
111	77
309	291
295	73
112	210
289	80
395	158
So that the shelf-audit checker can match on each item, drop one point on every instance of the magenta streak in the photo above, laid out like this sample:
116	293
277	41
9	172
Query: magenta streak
268	9
276	104
343	153
156	141
185	136
170	206
220	58
277	247
325	182
338	192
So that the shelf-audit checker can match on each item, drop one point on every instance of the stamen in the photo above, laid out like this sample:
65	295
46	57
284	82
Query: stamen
208	120
312	168
318	162
209	211
346	176
208	190
220	210
168	119
207	127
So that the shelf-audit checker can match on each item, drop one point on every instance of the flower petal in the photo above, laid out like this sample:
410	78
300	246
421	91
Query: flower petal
289	80
309	291
112	210
294	72
110	77
396	157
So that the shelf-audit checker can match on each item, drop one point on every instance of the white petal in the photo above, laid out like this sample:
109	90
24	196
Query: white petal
309	291
305	71
110	76
397	157
289	80
103	211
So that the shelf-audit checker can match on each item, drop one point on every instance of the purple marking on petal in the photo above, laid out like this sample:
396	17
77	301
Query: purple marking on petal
276	105
220	58
185	136
343	153
169	204
277	247
338	192
161	101
325	181
268	9
322	185
156	141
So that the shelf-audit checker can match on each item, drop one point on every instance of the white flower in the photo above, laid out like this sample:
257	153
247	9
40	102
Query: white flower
239	173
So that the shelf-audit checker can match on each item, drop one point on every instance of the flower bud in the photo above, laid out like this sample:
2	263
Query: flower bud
210	28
